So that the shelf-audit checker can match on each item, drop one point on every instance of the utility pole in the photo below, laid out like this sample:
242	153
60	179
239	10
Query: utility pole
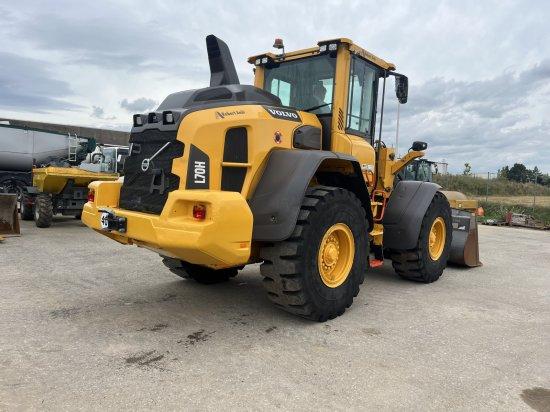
534	193
487	188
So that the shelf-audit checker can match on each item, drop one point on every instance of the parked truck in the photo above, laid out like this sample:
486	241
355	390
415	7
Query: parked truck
22	148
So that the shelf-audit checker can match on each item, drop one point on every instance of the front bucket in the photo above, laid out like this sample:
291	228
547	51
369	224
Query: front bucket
465	244
9	222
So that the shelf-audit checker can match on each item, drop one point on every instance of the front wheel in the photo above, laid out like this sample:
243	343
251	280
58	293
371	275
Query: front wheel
43	210
426	262
316	273
198	273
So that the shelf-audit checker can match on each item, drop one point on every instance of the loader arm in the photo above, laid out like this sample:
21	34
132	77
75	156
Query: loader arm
405	160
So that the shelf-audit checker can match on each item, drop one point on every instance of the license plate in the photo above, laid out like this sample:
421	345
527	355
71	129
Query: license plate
104	220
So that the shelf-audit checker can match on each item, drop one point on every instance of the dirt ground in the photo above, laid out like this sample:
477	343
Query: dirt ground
88	324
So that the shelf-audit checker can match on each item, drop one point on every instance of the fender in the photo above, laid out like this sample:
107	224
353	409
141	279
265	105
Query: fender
404	213
278	197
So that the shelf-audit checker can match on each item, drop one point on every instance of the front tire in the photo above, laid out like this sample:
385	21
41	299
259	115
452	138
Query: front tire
426	262
43	210
198	273
317	272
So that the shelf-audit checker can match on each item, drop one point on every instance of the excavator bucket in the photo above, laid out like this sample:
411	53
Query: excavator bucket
9	222
465	244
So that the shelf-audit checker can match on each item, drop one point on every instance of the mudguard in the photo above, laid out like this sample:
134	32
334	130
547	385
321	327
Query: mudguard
404	213
278	197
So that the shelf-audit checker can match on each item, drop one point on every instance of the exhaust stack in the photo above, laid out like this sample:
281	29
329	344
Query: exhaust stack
222	69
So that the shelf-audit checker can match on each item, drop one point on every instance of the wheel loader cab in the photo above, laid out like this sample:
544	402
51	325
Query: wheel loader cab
350	78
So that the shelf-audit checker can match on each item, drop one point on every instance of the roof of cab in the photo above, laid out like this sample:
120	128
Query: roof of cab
311	51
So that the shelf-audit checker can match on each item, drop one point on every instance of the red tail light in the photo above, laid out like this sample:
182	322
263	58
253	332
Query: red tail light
199	212
91	196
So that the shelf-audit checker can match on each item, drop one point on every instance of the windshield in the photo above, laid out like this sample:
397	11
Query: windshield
304	83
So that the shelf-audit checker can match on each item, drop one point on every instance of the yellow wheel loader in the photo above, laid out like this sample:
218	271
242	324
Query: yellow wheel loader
287	172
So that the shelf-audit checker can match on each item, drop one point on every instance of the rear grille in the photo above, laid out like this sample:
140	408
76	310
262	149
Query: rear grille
147	191
235	151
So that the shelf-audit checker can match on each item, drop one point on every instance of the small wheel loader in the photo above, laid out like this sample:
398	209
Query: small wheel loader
287	172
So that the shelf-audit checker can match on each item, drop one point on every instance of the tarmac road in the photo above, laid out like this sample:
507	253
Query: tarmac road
89	324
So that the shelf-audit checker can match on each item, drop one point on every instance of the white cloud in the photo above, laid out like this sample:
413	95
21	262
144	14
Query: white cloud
478	70
141	104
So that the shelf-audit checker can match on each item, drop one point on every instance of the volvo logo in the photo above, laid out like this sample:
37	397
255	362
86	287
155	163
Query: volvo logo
283	113
145	163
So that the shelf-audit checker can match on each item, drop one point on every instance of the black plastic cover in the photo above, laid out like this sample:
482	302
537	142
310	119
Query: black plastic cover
307	137
222	68
147	191
219	96
278	196
404	213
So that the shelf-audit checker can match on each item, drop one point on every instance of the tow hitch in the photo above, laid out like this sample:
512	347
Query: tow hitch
109	221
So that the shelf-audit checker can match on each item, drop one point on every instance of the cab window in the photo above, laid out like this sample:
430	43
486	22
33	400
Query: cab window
281	89
363	80
304	84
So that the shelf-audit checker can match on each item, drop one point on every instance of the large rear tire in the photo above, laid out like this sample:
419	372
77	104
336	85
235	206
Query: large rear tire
316	273
26	207
426	262
198	273
43	210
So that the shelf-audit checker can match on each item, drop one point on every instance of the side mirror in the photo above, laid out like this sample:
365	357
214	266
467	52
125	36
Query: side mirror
419	146
402	88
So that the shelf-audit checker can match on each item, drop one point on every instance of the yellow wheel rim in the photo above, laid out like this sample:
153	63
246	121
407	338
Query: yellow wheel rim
436	241
336	254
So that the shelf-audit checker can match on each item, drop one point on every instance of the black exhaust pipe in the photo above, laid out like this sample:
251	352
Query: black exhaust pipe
222	69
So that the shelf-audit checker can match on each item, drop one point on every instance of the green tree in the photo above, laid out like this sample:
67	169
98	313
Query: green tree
503	172
467	169
536	174
519	173
544	180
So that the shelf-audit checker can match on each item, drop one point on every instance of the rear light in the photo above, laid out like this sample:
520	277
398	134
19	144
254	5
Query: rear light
91	196
199	212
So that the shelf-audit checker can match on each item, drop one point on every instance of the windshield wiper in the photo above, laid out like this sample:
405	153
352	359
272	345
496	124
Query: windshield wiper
316	107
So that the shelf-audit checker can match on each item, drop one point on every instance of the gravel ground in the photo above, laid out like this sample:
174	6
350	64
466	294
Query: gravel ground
89	324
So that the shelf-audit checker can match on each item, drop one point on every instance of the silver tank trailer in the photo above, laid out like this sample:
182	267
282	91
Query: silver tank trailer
19	146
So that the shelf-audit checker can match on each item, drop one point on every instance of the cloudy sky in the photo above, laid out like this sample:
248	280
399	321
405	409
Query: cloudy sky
479	71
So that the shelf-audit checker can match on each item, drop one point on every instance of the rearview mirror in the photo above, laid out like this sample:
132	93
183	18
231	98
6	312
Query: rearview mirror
402	88
418	146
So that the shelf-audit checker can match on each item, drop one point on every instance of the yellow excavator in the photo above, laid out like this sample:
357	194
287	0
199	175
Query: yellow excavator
290	172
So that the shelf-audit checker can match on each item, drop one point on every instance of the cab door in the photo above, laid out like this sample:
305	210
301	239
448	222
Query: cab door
354	115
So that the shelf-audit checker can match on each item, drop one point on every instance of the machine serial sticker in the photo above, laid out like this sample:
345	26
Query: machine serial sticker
286	114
